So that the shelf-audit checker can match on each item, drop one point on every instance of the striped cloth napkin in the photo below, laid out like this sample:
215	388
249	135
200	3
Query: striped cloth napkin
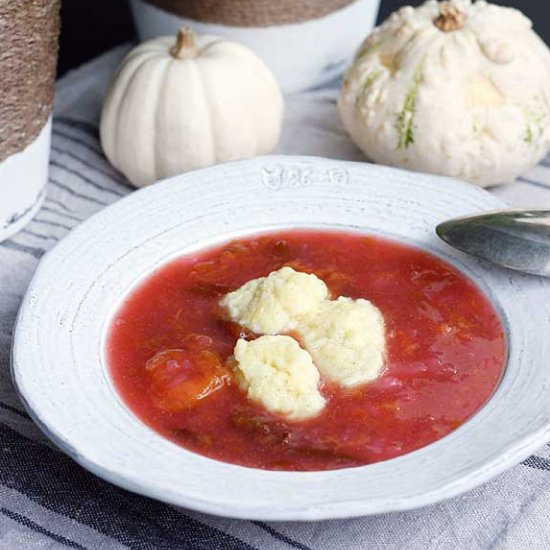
48	501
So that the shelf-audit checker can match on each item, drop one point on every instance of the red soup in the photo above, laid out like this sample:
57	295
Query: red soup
169	344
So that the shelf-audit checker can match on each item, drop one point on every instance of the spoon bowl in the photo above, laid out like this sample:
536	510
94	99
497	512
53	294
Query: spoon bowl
515	239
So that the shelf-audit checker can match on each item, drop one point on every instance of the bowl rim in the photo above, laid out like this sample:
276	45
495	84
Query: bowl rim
519	447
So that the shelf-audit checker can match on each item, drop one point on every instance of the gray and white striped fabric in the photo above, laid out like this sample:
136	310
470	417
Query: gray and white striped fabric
48	501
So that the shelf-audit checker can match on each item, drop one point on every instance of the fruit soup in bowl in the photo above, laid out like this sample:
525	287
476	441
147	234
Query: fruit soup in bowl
286	338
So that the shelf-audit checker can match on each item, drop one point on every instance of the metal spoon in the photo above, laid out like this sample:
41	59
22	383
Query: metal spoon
516	239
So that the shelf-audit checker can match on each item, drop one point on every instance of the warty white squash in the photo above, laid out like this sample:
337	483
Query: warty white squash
177	105
454	88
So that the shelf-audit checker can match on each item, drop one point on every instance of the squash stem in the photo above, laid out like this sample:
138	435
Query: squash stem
450	18
185	46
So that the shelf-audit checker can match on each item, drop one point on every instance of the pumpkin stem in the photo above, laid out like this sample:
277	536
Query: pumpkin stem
450	18
185	46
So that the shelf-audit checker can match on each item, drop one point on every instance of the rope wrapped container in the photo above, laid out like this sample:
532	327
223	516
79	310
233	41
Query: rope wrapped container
251	13
28	59
305	43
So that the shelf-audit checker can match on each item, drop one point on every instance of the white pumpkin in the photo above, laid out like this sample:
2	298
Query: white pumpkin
453	88
176	105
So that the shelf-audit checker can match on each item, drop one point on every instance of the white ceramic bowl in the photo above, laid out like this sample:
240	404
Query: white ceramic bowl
61	374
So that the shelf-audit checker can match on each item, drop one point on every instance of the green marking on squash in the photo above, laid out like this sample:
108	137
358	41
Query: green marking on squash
368	82
534	122
367	49
405	119
528	137
476	126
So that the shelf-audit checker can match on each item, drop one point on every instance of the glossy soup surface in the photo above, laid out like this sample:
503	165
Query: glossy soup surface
445	353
